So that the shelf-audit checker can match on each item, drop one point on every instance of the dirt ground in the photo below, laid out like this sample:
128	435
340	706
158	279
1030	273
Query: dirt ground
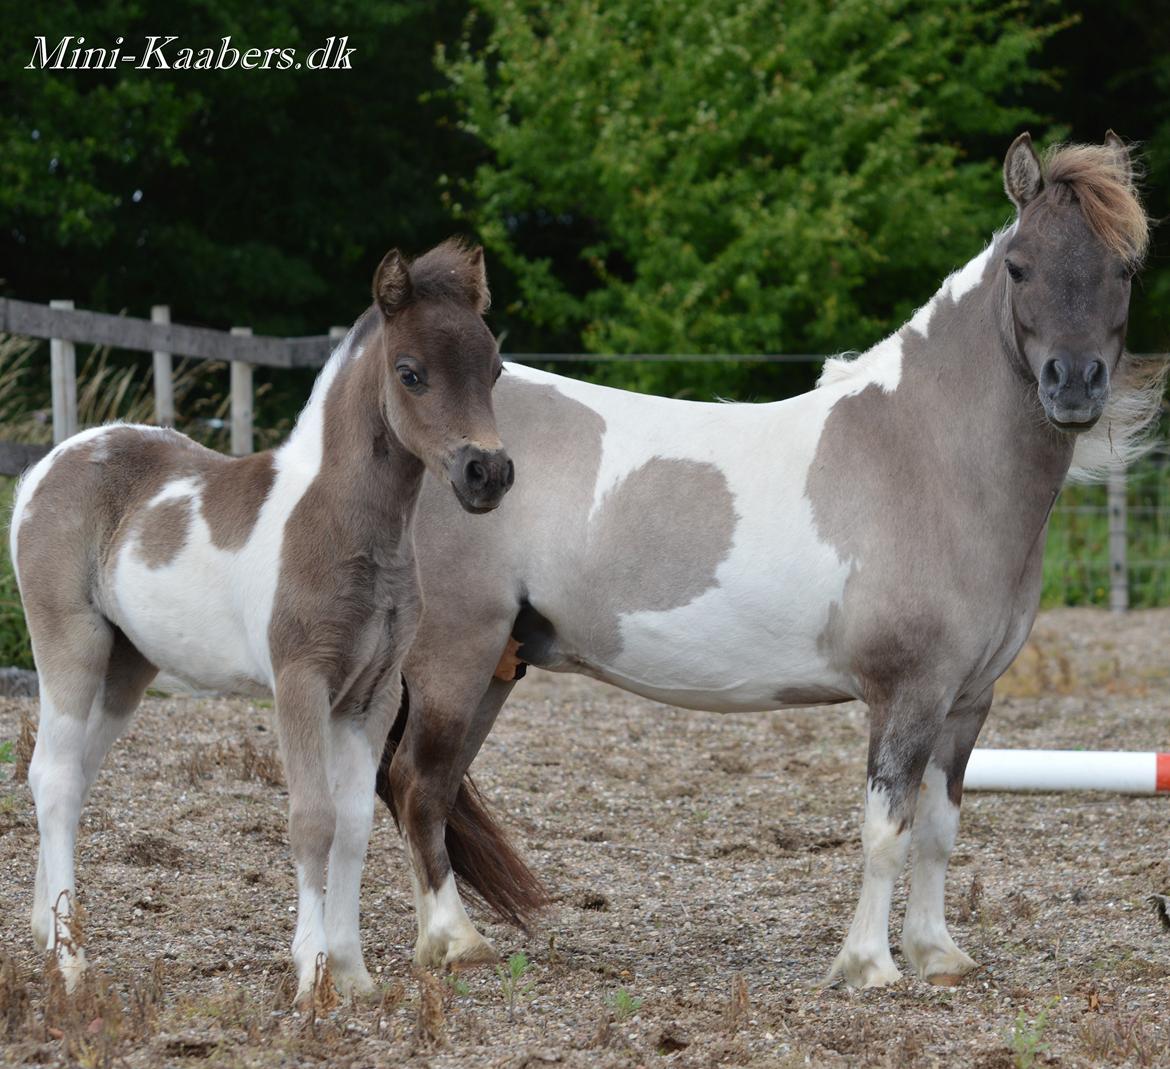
705	870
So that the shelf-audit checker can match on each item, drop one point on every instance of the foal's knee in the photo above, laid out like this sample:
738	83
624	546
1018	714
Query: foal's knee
311	827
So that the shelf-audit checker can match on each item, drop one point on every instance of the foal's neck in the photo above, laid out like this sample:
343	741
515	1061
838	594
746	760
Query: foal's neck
362	466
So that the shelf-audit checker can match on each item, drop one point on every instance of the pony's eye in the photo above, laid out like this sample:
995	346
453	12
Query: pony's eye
408	378
1016	272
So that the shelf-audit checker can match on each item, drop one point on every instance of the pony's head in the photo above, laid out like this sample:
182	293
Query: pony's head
442	362
1080	237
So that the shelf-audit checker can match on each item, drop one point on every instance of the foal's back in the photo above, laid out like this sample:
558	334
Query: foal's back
140	527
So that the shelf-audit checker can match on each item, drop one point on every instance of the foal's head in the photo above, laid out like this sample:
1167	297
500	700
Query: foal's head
442	362
1080	237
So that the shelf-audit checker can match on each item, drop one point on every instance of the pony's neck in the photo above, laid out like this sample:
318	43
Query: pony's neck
960	353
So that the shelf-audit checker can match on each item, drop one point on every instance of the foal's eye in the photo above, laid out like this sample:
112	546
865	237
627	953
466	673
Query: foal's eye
1015	270
408	378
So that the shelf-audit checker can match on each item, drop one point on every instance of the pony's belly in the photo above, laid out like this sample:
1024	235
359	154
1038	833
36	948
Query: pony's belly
699	658
188	620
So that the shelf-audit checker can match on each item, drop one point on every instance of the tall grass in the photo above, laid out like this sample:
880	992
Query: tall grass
14	644
1076	561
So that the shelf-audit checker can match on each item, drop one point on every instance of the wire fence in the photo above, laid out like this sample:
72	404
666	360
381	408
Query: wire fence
1078	563
1101	550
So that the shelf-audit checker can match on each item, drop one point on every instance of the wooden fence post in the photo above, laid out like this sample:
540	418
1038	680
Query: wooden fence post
241	401
63	364
1118	564
164	384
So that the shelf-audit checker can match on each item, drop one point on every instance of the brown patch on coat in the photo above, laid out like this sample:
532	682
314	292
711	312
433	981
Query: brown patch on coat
233	495
162	531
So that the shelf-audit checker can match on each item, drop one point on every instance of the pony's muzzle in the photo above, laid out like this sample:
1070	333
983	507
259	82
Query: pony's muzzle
1073	391
481	477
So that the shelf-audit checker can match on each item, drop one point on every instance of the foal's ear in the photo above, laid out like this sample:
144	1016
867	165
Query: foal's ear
477	278
1121	151
392	288
1022	179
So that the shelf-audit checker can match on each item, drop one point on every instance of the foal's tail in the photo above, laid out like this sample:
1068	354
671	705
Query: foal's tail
481	856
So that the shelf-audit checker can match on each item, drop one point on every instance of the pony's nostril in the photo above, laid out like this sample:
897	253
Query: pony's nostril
1096	378
509	475
1052	376
475	474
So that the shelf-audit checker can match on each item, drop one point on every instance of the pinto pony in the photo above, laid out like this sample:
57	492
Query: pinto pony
879	538
291	570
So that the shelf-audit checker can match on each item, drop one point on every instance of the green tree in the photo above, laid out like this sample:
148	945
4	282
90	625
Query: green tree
236	196
735	176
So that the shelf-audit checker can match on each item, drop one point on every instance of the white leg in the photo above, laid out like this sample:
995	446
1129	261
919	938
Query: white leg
101	731
57	781
353	765
302	713
865	960
446	935
926	942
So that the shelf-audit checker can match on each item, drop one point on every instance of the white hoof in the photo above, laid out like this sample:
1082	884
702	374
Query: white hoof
864	971
72	966
944	965
351	982
41	928
434	952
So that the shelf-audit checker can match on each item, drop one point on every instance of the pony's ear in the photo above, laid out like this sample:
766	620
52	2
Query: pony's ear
1022	179
1121	151
481	296
392	288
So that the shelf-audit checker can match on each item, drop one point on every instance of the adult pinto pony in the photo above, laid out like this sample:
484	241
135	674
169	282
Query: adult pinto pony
137	550
879	538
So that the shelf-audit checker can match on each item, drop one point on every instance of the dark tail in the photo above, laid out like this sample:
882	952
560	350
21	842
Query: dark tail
482	859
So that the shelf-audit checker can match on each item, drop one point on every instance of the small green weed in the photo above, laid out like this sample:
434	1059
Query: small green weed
623	1004
1027	1038
458	985
7	753
512	983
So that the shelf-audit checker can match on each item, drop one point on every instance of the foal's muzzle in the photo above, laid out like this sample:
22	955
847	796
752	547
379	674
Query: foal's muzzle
1073	391
480	477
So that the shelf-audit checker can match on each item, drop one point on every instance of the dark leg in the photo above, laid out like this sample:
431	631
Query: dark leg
926	942
452	709
902	736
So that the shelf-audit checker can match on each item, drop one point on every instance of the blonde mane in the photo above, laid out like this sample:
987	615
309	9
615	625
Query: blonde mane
1100	178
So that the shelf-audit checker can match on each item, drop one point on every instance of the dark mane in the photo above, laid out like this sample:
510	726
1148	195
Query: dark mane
1100	179
447	272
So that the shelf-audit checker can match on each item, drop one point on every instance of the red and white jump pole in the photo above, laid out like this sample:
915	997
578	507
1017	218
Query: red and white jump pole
1068	770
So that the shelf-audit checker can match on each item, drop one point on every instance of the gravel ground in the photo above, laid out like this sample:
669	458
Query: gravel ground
705	870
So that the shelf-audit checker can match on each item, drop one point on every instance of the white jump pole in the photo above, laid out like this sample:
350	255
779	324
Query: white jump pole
1068	770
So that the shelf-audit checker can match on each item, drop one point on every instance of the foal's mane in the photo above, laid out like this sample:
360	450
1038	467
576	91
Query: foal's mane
1100	178
449	271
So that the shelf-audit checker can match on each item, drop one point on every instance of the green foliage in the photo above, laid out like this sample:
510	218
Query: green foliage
238	197
15	648
734	177
7	752
1076	557
512	981
623	1004
1027	1038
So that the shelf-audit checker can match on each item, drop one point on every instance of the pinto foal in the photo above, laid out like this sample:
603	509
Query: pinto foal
136	550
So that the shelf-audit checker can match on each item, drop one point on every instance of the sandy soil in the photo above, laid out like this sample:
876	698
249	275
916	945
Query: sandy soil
705	870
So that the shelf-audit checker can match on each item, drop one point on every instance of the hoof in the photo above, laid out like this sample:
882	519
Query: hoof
462	953
864	972
72	968
942	966
352	985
